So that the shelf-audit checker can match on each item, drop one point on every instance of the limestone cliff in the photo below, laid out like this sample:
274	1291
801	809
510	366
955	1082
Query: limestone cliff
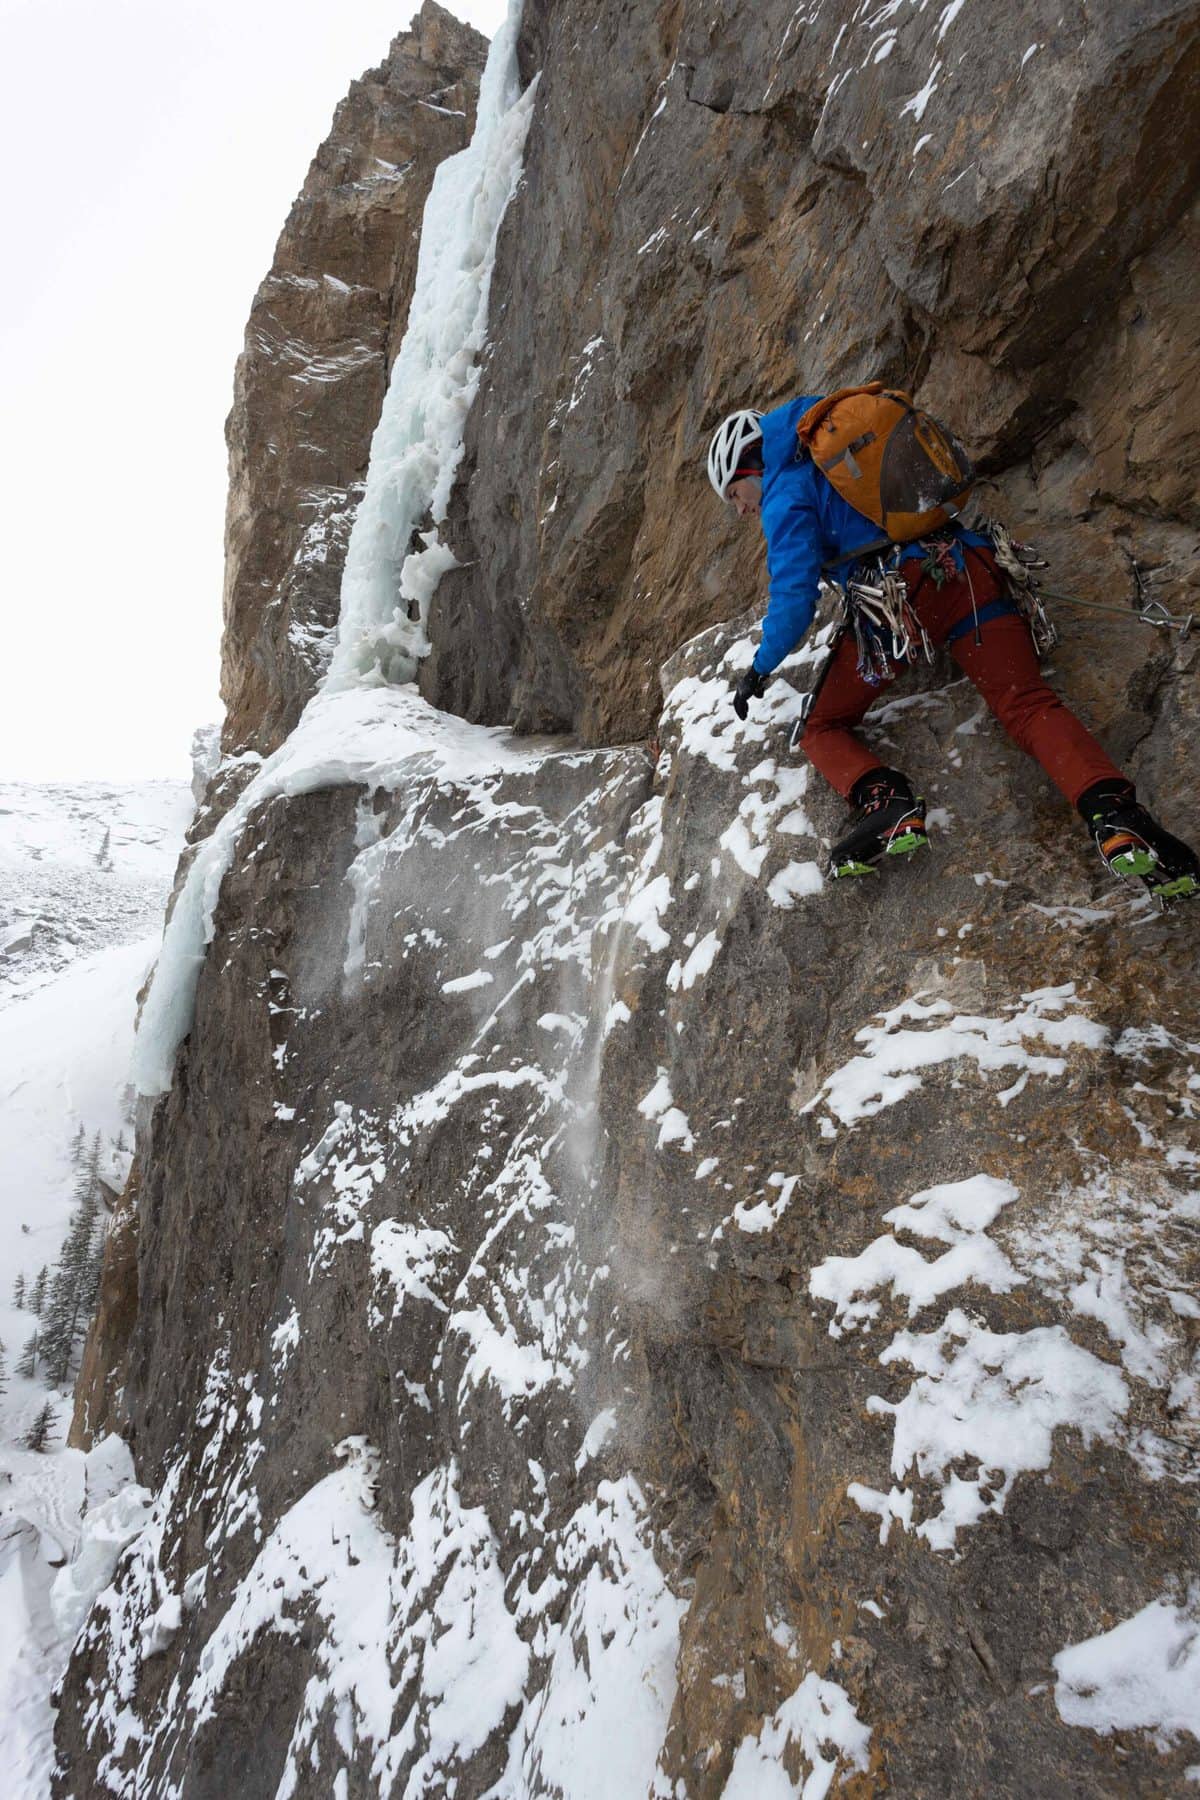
728	206
323	333
616	1315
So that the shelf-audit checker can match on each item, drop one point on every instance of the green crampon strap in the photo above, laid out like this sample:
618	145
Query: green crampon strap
905	846
1134	862
1182	888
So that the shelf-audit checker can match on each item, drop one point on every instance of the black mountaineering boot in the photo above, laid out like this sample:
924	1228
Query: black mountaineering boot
889	820
1132	842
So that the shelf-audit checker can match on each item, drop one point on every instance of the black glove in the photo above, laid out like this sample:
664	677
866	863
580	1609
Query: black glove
752	686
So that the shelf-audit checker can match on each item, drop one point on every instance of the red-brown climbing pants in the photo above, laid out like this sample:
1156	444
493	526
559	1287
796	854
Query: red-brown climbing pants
1003	666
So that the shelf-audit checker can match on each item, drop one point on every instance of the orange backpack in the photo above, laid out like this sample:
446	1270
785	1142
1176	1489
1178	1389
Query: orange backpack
892	462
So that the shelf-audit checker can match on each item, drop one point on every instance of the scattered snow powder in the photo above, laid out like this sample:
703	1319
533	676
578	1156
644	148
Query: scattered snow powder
794	882
916	106
887	1070
948	17
685	975
410	1260
673	1126
607	1697
956	1213
994	1399
463	984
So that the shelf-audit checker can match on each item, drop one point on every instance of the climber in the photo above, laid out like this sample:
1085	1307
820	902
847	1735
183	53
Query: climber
944	588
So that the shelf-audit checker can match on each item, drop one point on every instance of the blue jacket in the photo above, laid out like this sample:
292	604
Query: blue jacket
806	523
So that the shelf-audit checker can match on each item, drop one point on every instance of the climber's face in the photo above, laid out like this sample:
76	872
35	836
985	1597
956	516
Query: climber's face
746	495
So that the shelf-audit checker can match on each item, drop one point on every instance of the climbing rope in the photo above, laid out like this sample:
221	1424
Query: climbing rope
1020	560
1150	612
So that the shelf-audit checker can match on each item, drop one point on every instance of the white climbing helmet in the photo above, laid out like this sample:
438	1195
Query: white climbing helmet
728	442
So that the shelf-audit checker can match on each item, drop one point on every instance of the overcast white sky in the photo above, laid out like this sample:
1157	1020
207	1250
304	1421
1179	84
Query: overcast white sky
151	149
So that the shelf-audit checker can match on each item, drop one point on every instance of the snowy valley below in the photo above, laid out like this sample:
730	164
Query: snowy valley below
85	870
84	867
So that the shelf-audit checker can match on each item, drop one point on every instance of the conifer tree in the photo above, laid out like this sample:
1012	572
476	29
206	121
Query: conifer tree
38	1435
59	1329
3	1370
37	1299
29	1357
83	1178
71	1297
18	1298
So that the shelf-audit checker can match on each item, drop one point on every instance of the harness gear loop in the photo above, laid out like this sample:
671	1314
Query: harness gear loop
880	613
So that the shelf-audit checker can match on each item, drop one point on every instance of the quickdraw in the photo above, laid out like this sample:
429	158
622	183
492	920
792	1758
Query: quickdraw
1150	612
886	628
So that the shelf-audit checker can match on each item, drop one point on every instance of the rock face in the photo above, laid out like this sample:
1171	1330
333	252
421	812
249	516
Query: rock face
99	1386
617	1315
324	330
731	207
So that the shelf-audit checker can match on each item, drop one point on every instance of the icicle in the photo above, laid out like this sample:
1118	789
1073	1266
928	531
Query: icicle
418	444
346	733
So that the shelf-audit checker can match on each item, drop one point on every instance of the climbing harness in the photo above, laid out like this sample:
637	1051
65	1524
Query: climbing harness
877	606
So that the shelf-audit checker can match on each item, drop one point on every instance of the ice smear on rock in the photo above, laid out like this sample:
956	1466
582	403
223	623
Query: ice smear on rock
372	737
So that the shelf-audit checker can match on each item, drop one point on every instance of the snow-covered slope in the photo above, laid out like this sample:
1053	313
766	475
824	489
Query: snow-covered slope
84	874
64	1063
83	865
65	1519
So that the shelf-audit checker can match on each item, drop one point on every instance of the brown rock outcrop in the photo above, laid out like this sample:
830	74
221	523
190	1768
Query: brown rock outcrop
323	333
99	1387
